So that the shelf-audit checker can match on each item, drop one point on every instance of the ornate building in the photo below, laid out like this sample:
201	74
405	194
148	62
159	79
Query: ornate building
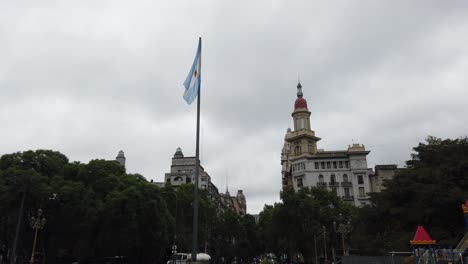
344	172
183	172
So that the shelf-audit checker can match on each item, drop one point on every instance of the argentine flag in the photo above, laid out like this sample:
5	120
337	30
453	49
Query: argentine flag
192	83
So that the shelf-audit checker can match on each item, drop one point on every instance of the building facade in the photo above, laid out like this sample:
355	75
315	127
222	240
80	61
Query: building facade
183	172
344	172
382	173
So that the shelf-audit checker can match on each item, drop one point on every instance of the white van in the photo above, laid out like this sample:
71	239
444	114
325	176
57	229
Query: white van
185	258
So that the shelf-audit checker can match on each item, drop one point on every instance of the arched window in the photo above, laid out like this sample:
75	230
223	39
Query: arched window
333	179
178	178
302	123
345	177
320	178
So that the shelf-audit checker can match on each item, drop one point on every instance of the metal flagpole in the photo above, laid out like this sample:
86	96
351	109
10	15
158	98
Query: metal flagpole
197	171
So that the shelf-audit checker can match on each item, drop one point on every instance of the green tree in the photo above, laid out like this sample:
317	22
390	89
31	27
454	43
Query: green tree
290	226
428	192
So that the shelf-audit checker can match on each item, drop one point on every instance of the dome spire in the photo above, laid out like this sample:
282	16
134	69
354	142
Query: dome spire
299	89
300	102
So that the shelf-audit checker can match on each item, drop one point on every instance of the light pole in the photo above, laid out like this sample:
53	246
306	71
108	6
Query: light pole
343	229
174	246
325	243
36	224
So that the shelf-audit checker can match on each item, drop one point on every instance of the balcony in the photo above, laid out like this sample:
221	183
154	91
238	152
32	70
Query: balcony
348	198
362	197
321	184
333	184
346	184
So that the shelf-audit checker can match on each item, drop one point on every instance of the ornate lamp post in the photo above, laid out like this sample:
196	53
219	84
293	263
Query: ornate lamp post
36	224
343	229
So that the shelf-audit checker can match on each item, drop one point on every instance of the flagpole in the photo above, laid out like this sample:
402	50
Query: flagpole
197	171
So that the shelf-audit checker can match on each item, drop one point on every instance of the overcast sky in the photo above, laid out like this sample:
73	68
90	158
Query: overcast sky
90	78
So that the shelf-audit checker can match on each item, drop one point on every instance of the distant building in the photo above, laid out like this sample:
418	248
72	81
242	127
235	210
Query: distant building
343	172
235	203
382	173
183	172
121	158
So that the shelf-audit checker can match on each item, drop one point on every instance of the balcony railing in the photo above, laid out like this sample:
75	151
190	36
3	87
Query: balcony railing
333	184
362	197
348	198
346	184
321	184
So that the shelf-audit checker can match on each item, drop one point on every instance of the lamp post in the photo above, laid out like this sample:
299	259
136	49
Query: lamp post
325	243
174	246
343	229
36	224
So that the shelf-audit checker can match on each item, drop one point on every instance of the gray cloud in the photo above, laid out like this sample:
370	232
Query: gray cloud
90	78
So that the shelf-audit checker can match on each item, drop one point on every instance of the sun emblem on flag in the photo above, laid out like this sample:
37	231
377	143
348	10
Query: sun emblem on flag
195	73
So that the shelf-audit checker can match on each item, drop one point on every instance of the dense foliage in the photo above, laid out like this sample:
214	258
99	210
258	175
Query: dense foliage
301	220
428	192
98	210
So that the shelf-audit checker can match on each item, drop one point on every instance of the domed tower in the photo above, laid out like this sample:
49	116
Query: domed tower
178	154
302	141
121	158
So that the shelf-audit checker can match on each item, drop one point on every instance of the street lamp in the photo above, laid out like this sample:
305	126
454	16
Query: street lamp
325	243
343	229
36	224
174	246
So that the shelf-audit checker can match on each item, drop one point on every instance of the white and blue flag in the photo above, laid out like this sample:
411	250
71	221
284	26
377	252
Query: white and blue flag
192	83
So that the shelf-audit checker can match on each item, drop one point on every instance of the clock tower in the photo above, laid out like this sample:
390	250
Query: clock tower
302	141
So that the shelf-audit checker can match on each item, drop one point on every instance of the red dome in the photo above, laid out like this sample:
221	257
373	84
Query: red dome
300	103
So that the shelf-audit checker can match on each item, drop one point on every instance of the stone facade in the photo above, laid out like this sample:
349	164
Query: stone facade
235	203
121	158
344	172
382	173
183	172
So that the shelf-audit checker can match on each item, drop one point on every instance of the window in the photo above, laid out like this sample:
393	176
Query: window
346	164
168	180
189	180
334	164
320	178
178	178
341	164
360	179
299	182
361	192
203	178
203	186
345	177
317	166
328	165
346	192
323	165
302	123
311	147
297	149
333	179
